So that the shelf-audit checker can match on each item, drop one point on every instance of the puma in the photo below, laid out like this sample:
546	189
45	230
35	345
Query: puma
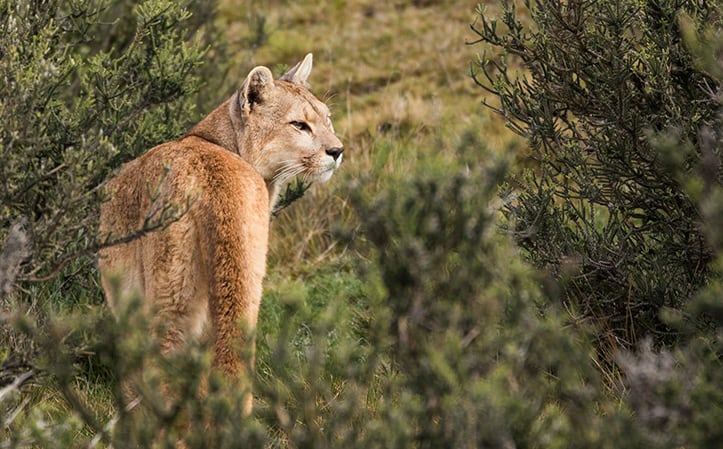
201	276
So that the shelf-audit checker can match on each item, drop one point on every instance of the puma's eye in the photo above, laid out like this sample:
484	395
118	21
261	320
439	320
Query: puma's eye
301	126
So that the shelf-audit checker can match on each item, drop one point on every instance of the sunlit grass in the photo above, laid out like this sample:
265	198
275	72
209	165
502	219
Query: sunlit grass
396	75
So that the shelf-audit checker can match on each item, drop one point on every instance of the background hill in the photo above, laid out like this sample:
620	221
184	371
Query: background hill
397	77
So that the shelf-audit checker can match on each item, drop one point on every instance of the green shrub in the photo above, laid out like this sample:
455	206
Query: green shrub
441	338
621	204
605	207
86	86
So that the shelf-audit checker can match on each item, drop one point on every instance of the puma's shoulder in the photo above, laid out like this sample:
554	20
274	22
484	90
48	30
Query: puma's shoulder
177	174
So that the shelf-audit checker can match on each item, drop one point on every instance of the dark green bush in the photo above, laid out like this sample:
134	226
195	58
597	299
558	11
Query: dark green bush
86	86
605	207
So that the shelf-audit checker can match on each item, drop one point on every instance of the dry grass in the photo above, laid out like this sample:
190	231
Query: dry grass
396	76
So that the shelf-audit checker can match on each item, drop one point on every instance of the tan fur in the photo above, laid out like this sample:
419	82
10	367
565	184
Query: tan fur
201	277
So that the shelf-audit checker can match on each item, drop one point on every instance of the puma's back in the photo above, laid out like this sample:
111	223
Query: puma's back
201	275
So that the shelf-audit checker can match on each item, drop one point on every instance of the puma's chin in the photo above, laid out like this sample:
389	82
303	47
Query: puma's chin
325	175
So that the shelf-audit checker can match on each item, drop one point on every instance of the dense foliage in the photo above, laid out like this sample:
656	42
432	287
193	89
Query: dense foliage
624	131
86	85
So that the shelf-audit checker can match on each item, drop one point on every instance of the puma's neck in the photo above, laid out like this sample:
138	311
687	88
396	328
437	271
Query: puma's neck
218	129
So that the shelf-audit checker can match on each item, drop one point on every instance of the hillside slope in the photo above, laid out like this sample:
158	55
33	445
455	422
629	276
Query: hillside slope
397	77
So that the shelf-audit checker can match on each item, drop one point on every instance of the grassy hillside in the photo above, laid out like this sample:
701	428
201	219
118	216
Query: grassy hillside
396	77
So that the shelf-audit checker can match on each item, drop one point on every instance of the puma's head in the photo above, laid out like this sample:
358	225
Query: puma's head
282	129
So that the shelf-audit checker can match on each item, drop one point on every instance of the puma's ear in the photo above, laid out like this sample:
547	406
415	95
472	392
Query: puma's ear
256	89
300	72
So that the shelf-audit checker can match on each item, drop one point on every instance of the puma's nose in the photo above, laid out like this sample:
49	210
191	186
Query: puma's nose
335	152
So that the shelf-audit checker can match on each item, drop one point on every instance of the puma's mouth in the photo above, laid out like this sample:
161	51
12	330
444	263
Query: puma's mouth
325	173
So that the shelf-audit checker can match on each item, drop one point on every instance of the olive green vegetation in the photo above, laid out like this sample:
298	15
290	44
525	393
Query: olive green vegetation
622	123
454	285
